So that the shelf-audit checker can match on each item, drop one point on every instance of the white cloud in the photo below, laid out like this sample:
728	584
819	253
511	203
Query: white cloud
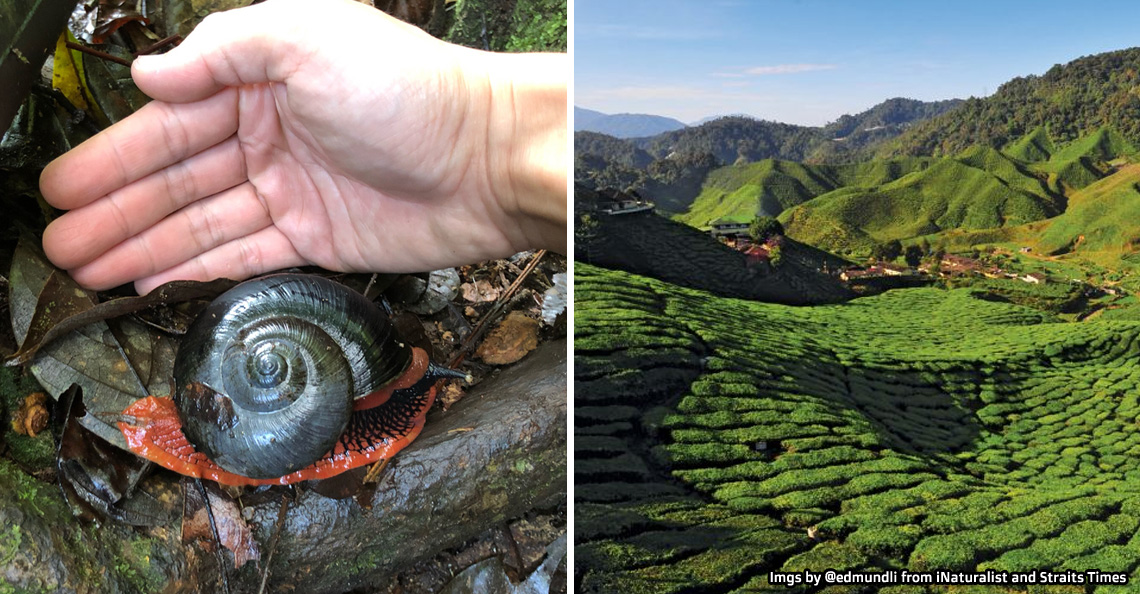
787	69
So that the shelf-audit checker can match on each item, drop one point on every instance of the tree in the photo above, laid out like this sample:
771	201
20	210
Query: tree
586	233
888	251
913	255
763	227
775	256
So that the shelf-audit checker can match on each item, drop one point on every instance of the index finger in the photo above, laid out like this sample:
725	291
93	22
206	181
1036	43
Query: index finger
156	136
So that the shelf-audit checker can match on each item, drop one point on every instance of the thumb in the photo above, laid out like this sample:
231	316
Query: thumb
250	45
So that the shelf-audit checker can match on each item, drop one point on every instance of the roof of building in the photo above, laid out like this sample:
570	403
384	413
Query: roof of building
731	220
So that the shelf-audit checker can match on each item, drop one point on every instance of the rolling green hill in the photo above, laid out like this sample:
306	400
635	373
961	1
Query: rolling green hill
1105	144
1102	220
771	186
718	440
1034	147
980	189
851	207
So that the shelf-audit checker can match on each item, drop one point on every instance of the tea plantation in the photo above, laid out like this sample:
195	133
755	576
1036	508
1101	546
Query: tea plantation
718	440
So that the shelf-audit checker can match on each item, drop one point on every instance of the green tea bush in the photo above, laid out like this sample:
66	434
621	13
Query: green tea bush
921	429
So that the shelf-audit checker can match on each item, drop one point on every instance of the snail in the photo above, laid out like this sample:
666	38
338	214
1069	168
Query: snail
285	378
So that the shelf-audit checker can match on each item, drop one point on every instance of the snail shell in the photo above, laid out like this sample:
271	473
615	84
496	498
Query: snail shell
265	378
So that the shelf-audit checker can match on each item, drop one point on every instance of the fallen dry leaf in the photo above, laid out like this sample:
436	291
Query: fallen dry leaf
233	531
479	291
450	394
515	336
32	416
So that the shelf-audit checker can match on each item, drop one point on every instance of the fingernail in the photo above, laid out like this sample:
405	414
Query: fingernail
143	62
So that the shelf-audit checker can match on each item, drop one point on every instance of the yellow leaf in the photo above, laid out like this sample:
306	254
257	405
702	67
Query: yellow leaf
67	73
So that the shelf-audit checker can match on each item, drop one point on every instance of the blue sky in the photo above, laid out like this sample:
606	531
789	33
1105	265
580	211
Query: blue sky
811	61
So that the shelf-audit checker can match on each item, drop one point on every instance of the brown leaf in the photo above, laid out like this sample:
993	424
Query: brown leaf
99	479
233	531
63	306
112	15
514	337
450	394
479	291
90	356
32	416
60	298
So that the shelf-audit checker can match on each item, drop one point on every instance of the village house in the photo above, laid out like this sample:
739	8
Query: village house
952	264
734	227
858	274
615	202
888	269
875	271
1035	278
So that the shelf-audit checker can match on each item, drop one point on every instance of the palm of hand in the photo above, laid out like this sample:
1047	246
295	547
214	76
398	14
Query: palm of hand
302	168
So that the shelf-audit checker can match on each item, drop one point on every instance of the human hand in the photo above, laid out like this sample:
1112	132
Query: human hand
291	133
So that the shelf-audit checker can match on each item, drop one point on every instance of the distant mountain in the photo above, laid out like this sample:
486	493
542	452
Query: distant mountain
623	125
670	167
1068	102
743	139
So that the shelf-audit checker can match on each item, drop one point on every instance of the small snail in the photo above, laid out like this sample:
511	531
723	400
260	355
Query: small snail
285	378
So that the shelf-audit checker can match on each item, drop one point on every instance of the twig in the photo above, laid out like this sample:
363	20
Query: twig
369	286
376	469
161	43
493	314
273	543
98	54
217	539
513	555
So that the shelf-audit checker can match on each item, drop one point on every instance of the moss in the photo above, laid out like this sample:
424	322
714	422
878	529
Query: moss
10	544
135	567
91	554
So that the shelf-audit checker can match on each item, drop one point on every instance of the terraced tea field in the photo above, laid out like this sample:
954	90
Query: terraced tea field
718	439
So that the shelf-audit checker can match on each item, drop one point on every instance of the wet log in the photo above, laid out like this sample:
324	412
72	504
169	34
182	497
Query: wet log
498	453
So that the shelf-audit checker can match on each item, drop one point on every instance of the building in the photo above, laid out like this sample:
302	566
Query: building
732	226
888	269
614	202
952	264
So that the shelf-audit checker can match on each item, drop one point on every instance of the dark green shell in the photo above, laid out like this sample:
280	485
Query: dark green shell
266	376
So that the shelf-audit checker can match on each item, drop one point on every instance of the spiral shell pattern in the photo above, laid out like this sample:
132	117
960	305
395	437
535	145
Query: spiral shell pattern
265	378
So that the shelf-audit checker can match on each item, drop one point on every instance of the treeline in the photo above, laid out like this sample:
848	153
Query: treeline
737	139
1069	100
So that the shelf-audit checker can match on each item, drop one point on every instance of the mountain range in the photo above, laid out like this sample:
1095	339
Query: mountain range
623	125
1044	162
681	158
